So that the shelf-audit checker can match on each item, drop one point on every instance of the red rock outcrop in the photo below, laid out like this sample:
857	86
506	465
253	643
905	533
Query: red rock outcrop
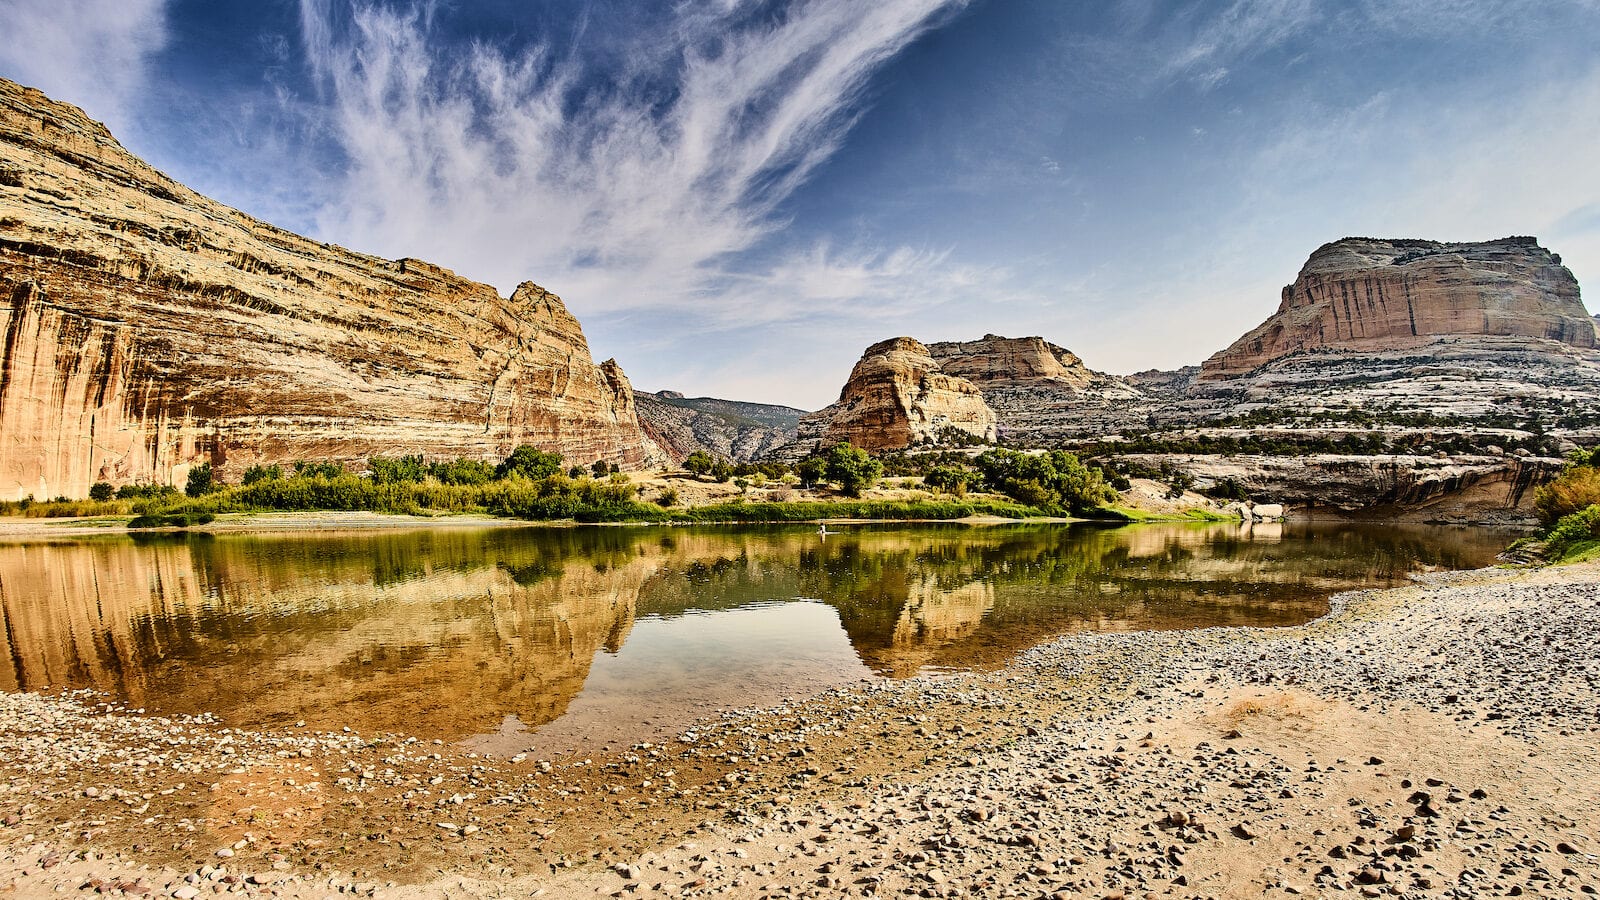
148	328
1363	294
896	396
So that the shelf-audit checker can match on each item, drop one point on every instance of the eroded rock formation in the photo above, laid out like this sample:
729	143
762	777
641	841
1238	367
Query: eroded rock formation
897	396
148	329
1457	489
1041	393
1365	294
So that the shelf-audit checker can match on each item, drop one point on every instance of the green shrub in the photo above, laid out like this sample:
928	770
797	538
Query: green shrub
263	473
182	519
530	463
147	492
1056	481
1576	489
812	470
101	490
397	469
949	479
852	468
667	498
462	471
309	469
200	482
700	463
1574	534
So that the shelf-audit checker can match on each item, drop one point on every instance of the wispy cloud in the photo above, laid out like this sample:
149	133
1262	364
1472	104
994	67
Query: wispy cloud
1240	30
92	53
622	190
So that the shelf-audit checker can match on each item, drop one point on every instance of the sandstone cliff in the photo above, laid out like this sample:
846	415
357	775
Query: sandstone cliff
897	396
148	329
1041	393
741	432
1366	294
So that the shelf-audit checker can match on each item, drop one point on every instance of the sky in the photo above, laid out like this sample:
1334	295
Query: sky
736	197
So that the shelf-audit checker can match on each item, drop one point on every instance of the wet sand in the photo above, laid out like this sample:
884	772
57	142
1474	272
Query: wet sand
1438	739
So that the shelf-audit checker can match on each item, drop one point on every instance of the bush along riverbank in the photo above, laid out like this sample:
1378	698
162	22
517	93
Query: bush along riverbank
534	485
1569	508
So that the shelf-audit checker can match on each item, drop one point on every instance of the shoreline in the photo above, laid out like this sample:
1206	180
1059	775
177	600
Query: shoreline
19	527
1078	768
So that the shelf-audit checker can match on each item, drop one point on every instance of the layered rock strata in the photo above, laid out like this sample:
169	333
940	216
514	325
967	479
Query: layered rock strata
1361	294
149	329
1397	487
898	396
741	432
1041	393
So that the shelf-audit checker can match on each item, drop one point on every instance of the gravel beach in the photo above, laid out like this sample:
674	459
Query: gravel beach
1440	739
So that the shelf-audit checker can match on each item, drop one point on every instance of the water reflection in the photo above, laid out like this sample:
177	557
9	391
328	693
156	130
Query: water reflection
588	634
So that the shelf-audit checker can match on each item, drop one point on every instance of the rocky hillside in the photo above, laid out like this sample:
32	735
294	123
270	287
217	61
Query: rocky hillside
149	329
1041	394
727	428
897	396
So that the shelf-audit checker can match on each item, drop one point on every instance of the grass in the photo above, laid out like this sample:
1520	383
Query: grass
1192	514
1582	553
68	509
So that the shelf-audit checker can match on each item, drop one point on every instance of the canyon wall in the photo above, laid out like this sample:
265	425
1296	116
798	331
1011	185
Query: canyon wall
1367	294
148	329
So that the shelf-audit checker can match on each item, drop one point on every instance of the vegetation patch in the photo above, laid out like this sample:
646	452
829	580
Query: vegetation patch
1569	507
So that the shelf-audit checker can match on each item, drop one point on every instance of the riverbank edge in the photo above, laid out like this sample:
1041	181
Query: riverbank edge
266	522
1351	615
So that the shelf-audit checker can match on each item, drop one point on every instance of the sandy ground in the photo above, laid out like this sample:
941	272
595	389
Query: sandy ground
1436	740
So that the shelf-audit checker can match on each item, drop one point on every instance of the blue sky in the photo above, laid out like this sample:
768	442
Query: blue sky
735	197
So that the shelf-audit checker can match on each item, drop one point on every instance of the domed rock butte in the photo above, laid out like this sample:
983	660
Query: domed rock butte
1370	294
898	395
149	329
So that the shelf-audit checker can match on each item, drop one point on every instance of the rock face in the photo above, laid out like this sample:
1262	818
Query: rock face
1041	393
1390	487
148	329
897	396
1364	294
727	428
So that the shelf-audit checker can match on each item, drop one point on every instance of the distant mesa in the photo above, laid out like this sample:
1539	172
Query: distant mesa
1367	294
149	329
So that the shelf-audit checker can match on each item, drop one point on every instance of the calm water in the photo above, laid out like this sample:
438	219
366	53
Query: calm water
559	639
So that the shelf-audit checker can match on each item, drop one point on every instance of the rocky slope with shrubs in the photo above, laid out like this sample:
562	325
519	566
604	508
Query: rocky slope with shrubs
149	329
730	429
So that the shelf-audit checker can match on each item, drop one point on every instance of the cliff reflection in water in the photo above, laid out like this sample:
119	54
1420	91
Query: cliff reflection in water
444	633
